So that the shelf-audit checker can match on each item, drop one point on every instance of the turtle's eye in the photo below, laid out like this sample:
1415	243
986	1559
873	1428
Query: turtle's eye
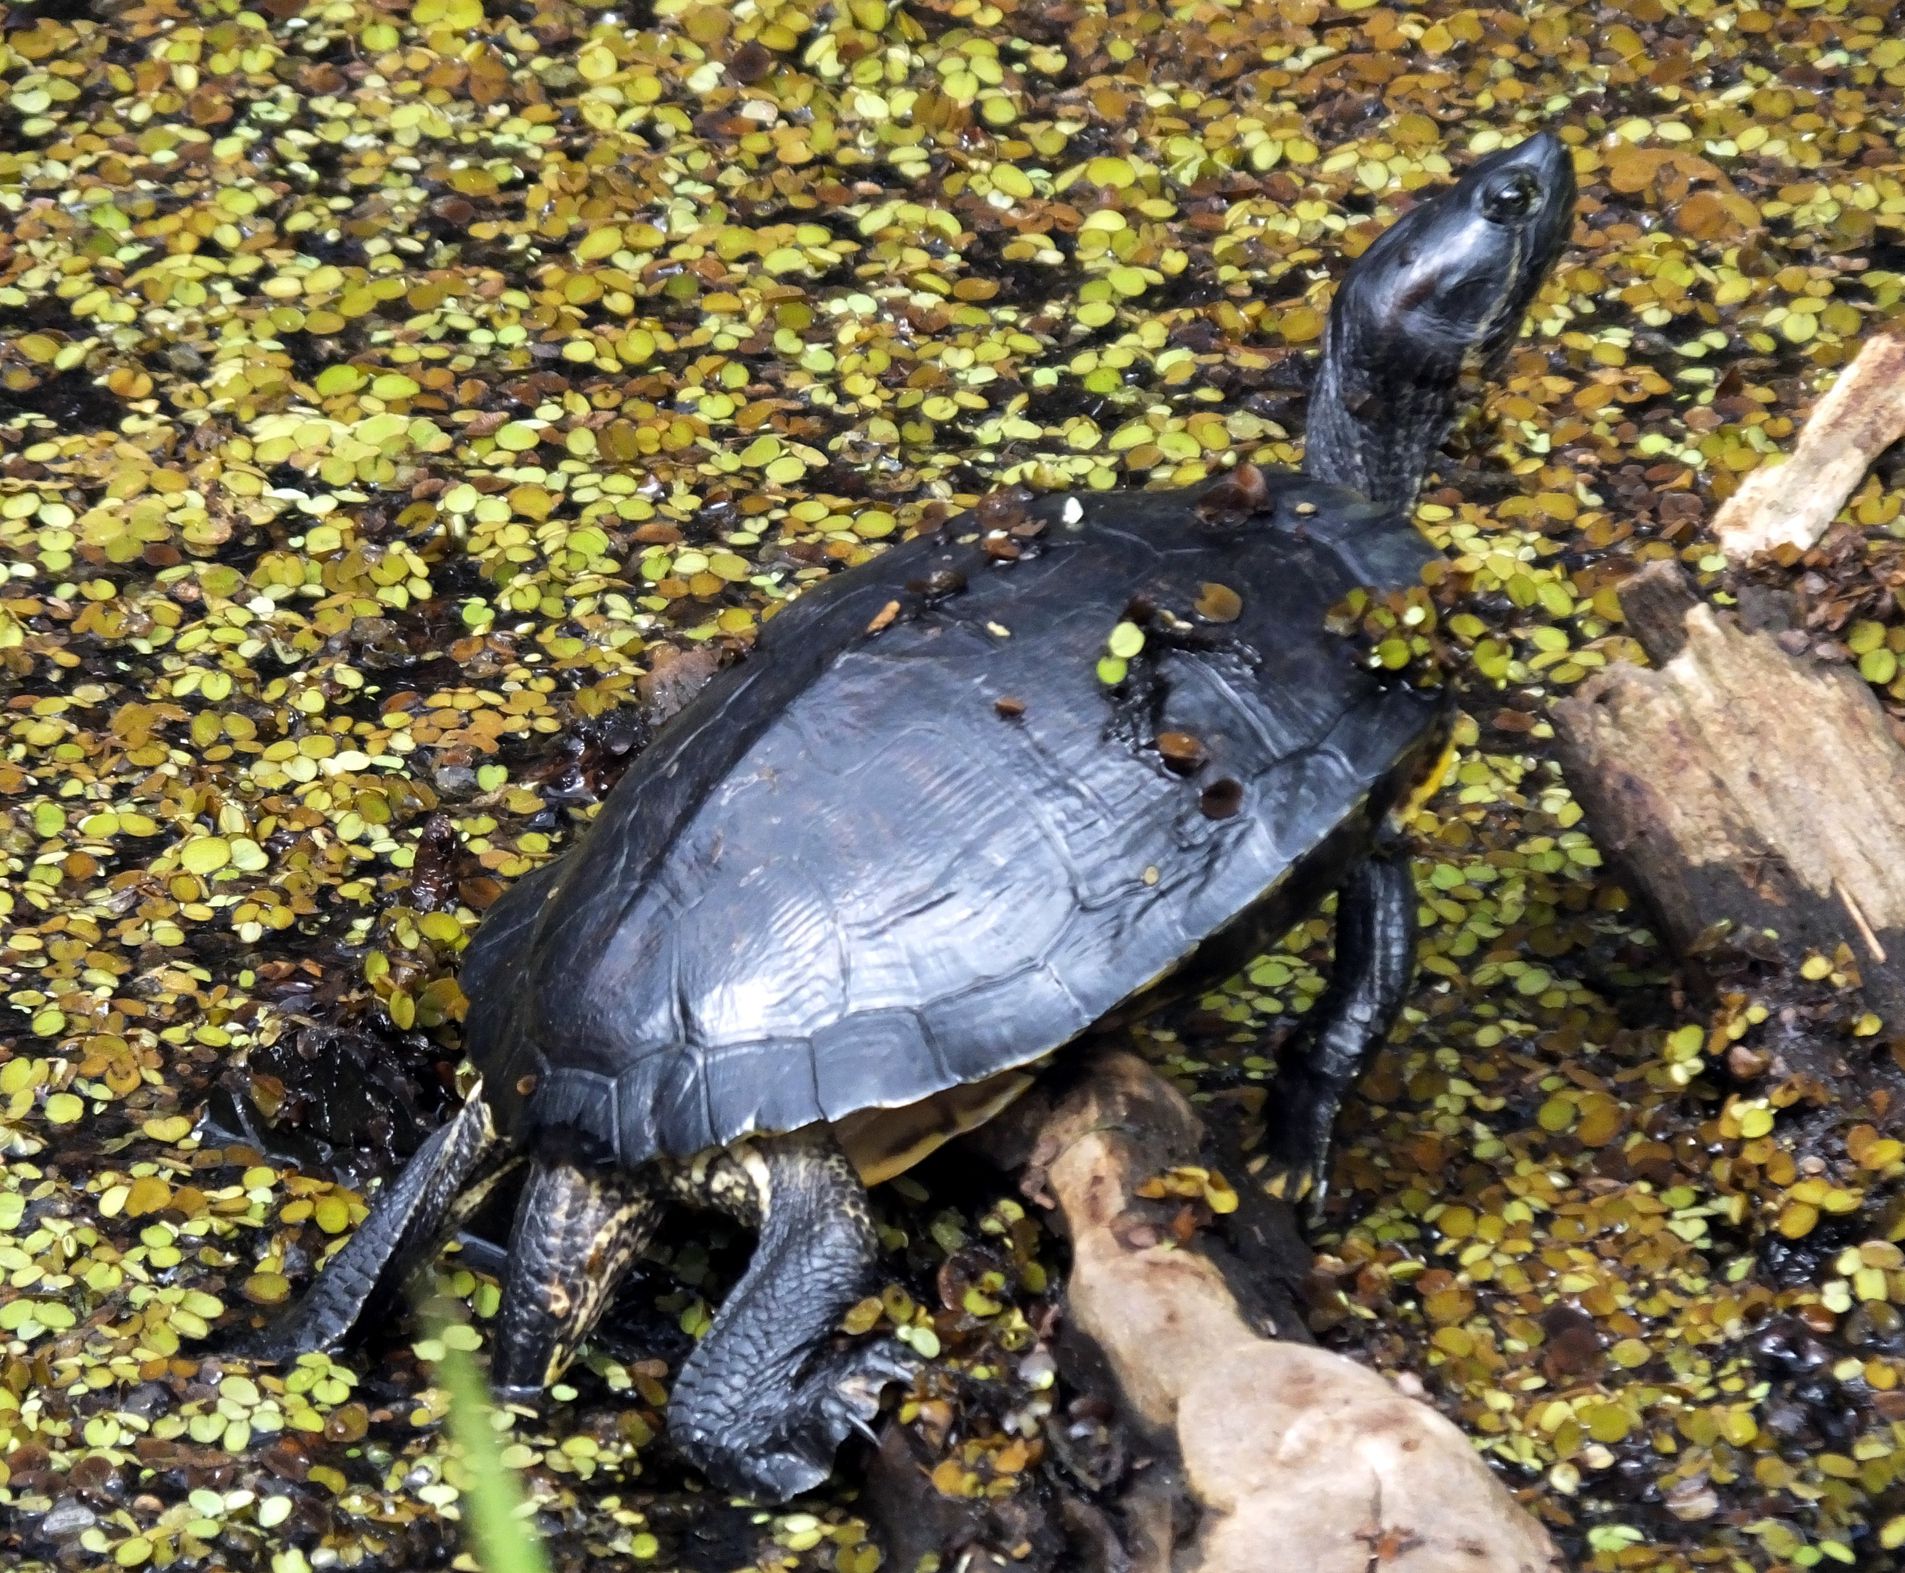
1512	200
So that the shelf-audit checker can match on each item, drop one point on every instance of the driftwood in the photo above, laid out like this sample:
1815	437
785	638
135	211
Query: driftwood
1290	1457
1791	504
1749	793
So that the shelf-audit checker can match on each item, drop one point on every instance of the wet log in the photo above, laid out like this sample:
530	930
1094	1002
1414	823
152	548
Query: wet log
1858	417
1290	1456
1749	794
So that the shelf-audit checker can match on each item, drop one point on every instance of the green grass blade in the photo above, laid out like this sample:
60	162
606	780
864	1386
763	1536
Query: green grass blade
500	1538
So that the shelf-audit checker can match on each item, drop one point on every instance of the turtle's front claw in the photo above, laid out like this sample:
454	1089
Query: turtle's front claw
1299	1151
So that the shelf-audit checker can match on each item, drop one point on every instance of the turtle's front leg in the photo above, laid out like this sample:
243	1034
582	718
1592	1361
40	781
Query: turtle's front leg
767	1397
1374	967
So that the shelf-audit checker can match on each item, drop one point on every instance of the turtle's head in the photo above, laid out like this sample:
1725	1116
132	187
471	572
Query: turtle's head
1438	296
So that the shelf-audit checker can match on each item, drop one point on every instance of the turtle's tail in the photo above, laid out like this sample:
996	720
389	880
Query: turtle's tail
448	1178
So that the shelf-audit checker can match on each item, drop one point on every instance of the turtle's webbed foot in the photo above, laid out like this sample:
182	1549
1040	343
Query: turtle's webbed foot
769	1393
1375	961
784	1440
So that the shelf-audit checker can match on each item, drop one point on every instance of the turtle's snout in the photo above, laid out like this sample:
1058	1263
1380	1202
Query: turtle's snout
1544	155
1458	269
1437	295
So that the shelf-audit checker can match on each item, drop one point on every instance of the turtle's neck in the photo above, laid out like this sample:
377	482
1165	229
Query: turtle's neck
1373	427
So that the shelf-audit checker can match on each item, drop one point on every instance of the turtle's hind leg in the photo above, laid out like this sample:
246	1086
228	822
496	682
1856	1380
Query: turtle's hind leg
764	1401
576	1232
448	1178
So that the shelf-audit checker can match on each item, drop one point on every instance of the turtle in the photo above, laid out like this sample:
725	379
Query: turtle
965	803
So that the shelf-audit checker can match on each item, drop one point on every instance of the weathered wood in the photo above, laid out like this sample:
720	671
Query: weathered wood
1742	786
1148	1128
1857	418
1293	1457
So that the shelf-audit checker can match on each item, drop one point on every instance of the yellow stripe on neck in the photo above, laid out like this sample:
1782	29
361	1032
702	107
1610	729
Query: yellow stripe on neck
1428	785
